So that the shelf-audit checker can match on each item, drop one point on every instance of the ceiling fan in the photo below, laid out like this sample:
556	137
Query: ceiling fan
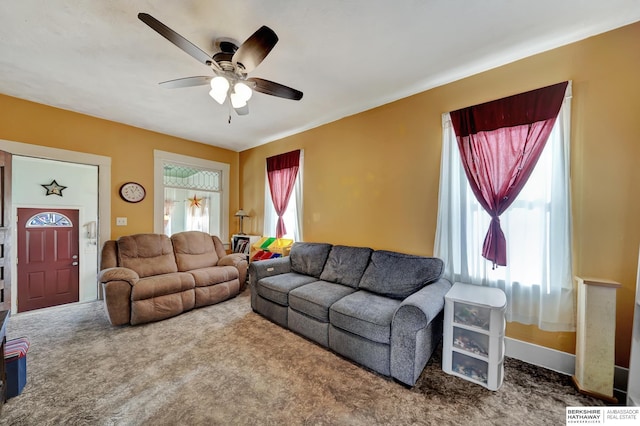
230	66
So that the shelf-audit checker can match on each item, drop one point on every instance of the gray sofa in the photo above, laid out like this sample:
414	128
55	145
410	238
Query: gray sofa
381	309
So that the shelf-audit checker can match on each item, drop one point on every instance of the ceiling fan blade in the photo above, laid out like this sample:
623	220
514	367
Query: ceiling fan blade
176	38
251	53
186	82
242	110
275	89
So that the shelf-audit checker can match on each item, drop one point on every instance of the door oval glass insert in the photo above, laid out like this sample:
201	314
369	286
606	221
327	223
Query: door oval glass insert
49	219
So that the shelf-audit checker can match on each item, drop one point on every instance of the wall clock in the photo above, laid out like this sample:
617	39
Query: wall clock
132	192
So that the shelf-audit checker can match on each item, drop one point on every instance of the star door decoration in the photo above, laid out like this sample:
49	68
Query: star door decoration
53	188
195	201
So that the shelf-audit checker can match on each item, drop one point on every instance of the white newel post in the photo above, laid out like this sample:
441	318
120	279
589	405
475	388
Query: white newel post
596	337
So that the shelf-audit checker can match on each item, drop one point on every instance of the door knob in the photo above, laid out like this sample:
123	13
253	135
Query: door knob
74	264
75	256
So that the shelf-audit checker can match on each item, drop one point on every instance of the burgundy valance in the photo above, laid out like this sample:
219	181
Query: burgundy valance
287	160
524	108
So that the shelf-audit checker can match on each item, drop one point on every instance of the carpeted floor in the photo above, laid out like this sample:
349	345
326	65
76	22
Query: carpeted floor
226	365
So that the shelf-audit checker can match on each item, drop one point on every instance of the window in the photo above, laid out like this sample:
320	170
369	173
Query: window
293	214
191	195
538	280
191	199
49	219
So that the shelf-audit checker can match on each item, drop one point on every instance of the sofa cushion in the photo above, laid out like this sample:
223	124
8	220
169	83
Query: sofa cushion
346	265
309	258
214	275
147	254
316	298
161	285
365	314
399	275
277	287
194	250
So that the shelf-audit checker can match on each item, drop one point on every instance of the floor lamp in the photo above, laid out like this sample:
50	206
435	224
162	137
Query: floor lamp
241	214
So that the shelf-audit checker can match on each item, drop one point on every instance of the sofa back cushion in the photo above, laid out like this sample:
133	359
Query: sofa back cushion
194	250
147	254
309	258
399	275
346	265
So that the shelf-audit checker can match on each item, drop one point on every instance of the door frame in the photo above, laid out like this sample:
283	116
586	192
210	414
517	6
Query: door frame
104	194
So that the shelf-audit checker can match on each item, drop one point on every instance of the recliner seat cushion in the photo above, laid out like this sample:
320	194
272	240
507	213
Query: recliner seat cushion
309	258
277	287
214	275
400	275
346	265
315	299
365	314
162	285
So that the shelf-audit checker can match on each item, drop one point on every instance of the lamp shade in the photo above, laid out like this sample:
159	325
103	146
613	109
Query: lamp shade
219	88
241	213
237	101
243	91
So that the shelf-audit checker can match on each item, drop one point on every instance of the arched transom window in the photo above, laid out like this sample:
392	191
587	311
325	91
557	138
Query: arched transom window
49	219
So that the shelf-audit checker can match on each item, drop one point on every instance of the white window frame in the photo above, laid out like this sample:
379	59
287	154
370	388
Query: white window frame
162	157
270	215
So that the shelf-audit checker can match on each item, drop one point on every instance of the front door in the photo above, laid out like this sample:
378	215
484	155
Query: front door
47	257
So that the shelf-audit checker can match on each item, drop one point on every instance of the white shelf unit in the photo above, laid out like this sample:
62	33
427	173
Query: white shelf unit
241	243
474	325
633	389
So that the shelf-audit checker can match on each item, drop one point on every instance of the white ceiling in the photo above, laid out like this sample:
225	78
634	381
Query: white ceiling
97	58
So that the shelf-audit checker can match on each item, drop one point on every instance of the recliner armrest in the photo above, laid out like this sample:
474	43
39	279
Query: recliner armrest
419	309
267	268
416	329
118	274
116	289
232	259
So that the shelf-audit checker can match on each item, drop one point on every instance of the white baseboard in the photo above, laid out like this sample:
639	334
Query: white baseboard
555	360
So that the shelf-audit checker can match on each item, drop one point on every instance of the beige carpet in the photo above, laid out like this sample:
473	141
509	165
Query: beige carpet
226	365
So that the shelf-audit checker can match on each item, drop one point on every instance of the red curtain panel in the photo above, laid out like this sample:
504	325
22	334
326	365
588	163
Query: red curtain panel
500	143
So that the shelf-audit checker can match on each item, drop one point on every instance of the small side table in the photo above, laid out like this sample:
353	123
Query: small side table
474	325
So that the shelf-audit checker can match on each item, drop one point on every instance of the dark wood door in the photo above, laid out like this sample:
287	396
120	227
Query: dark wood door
47	258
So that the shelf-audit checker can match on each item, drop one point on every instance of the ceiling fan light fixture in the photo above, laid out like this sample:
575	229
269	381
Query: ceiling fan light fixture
219	89
242	90
237	101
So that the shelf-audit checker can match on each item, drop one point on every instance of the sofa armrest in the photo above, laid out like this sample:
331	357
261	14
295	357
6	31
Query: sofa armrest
118	274
116	289
239	261
416	330
232	259
267	268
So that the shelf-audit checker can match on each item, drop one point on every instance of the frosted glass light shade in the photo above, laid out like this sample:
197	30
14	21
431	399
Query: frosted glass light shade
242	90
219	88
237	101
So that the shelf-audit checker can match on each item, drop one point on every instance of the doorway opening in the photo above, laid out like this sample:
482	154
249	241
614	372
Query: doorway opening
47	257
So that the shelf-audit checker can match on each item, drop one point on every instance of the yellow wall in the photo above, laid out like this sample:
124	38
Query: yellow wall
372	178
130	149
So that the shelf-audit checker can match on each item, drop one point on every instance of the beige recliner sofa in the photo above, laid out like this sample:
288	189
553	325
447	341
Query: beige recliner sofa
150	277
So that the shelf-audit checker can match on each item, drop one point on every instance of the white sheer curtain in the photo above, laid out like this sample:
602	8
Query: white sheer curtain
538	280
293	215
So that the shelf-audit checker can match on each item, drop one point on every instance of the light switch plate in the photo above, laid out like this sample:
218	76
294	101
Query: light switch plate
121	221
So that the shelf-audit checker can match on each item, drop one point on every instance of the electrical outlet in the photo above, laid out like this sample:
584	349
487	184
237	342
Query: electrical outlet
121	221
